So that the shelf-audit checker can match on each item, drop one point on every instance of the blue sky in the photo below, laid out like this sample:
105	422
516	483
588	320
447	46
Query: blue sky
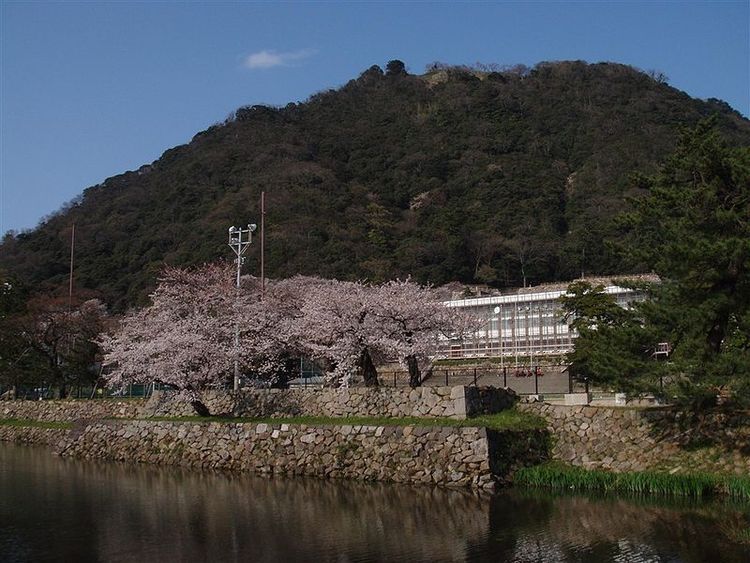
89	90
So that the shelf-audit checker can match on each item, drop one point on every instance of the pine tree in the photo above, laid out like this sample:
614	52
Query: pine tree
692	228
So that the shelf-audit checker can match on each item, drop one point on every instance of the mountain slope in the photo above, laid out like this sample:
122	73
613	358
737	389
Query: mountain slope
454	175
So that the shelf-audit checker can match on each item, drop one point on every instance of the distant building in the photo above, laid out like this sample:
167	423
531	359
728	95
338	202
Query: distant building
526	325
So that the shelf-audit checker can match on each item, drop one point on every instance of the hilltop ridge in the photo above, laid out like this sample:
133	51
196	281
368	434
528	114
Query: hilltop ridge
494	175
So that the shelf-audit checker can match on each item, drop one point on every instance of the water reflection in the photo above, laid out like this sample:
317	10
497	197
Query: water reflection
54	509
542	526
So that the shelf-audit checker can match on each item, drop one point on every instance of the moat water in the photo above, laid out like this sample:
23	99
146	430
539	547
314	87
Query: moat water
54	509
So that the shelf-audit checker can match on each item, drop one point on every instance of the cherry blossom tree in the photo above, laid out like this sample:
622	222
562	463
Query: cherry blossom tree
267	335
337	325
184	339
353	325
410	318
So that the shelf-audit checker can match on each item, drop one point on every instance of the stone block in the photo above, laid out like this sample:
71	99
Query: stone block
576	399
459	408
458	392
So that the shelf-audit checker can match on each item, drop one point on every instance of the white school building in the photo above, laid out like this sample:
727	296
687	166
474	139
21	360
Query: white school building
525	326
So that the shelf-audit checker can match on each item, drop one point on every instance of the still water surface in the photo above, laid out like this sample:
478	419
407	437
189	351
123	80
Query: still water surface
54	509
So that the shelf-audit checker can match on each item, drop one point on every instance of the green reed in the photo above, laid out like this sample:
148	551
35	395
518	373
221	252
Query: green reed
697	485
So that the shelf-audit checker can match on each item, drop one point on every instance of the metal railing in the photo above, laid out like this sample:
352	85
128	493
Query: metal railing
524	380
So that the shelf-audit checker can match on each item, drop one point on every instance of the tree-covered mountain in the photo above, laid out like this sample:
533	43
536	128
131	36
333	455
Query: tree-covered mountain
458	174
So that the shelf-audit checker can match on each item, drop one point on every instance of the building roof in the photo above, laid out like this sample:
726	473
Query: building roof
542	292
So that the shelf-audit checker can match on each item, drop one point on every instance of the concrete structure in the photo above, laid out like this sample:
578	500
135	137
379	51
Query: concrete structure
527	325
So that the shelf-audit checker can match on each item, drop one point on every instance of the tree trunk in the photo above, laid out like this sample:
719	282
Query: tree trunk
716	334
200	408
369	373
415	377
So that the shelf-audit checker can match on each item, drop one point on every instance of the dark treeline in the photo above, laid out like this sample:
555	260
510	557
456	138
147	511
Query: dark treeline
500	175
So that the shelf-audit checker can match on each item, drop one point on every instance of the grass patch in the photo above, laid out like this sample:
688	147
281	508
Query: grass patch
737	487
505	420
510	419
20	423
696	485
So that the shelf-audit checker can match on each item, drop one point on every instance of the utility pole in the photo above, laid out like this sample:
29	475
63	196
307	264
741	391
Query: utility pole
67	334
239	245
262	244
70	281
583	262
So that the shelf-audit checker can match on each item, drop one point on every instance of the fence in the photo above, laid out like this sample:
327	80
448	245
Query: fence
79	392
523	380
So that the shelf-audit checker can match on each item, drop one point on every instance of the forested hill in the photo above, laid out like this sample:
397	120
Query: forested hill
452	175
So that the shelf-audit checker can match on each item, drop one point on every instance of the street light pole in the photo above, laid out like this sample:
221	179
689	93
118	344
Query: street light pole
239	245
499	326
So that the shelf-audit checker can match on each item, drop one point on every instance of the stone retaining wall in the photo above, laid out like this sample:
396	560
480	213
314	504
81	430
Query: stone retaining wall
70	410
33	435
457	457
637	439
454	402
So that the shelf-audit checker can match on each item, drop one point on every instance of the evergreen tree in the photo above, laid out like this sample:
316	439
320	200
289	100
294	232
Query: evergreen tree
615	348
692	228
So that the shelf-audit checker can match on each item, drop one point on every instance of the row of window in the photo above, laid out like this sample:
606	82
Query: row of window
520	325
